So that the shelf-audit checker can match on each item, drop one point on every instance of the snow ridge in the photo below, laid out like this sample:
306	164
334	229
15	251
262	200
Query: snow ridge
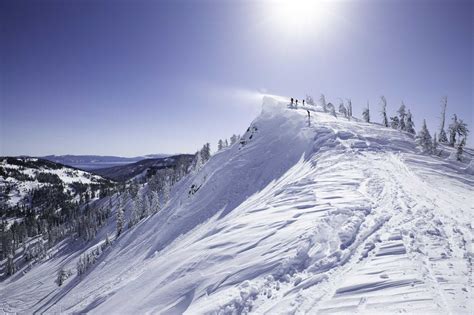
321	216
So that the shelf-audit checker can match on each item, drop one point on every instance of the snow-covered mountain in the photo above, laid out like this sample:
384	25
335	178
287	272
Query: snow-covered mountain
320	215
20	176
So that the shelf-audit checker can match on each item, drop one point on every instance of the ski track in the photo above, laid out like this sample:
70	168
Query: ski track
361	223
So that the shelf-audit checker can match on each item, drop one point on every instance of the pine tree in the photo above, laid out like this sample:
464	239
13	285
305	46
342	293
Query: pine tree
143	206
442	134
134	216
206	152
457	127
349	108
435	143
410	125
424	139
309	100
384	111
226	143
155	205
120	220
62	275
10	266
107	239
333	109
460	149
197	162
81	266
402	116
342	109
394	122
323	103
220	145
166	191
366	114
233	139
453	129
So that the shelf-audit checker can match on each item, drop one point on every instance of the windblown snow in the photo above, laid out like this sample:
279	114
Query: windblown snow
302	216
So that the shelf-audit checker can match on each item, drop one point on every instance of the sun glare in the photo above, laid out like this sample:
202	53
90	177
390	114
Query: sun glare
299	17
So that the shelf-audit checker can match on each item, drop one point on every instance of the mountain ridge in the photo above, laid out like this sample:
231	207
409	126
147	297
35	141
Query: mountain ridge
303	215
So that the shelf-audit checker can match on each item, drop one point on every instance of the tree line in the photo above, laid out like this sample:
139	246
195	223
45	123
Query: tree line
455	137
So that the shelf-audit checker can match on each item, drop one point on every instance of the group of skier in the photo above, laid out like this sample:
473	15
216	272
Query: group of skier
294	104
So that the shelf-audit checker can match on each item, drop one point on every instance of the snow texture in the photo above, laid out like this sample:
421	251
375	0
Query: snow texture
322	216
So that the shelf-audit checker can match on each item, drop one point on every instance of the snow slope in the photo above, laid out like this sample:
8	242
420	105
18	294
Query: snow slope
320	216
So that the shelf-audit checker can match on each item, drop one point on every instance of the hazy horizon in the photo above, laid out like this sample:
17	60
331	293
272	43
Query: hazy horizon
127	78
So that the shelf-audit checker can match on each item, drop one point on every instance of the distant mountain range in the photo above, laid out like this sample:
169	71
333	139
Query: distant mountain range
130	170
91	162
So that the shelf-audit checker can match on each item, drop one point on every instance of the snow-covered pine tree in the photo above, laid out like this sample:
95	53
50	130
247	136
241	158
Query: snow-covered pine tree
384	111
81	265
394	122
10	265
120	220
435	143
62	275
133	188
409	124
342	109
332	109
206	152
155	205
349	108
233	139
197	162
323	103
143	206
226	143
424	138
457	128
402	116
107	239
453	130
460	149
309	100
442	134
166	191
135	213
366	113
220	145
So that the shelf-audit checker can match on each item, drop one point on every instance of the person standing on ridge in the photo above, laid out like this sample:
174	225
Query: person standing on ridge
296	106
292	102
303	102
309	114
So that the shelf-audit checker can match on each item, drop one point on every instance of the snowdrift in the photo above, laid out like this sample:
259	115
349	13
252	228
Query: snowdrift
319	215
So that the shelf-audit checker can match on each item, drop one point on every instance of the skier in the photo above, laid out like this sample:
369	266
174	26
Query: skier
292	102
303	102
296	106
309	114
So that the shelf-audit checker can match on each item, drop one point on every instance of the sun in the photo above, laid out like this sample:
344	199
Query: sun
299	17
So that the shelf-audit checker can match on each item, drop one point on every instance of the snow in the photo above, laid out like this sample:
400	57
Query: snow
22	188
320	216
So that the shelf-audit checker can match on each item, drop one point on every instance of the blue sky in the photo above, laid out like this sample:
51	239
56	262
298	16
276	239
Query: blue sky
136	77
